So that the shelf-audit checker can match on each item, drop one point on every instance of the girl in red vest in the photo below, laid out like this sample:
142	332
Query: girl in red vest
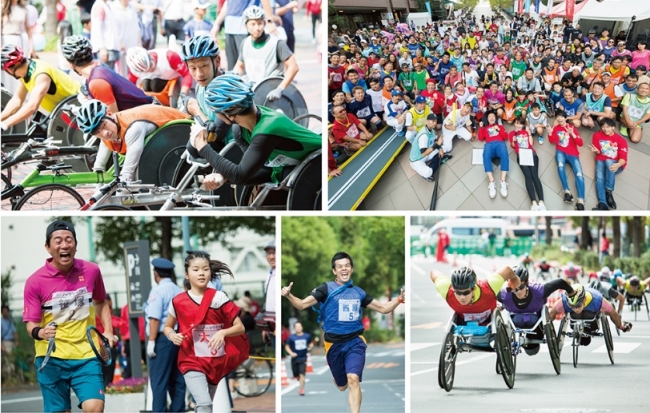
212	339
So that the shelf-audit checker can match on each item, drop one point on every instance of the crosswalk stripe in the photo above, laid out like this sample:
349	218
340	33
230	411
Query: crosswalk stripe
619	348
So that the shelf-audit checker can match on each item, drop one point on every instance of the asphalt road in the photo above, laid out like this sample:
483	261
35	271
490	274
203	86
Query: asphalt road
594	386
383	387
29	401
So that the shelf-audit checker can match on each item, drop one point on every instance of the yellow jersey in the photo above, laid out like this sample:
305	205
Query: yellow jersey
61	87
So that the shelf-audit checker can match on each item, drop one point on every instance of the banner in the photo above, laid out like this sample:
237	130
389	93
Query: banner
527	6
537	6
428	6
570	9
549	7
520	7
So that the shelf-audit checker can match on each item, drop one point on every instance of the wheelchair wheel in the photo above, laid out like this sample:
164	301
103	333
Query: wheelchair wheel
561	334
292	103
607	333
162	152
507	361
253	377
305	120
549	335
575	344
647	310
19	127
447	363
306	187
50	197
63	127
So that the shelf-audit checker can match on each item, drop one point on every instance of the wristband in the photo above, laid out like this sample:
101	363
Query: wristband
35	331
169	334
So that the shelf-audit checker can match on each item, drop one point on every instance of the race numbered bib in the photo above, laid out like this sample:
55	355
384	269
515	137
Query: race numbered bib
201	336
255	69
480	317
634	112
363	113
349	310
281	160
300	344
71	305
337	77
353	131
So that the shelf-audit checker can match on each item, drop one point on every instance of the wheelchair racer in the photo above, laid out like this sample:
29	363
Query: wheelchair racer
271	142
46	85
634	287
471	299
263	55
586	304
544	269
609	292
102	83
527	262
123	132
526	302
151	70
571	271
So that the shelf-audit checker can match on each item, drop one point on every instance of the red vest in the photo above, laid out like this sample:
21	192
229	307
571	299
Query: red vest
481	310
214	365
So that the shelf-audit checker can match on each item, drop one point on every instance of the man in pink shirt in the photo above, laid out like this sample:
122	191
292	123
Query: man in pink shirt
611	158
60	302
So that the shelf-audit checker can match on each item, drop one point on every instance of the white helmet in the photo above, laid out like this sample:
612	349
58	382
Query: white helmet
254	13
139	60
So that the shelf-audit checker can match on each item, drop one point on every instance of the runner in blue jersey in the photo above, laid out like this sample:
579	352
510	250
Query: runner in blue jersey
341	308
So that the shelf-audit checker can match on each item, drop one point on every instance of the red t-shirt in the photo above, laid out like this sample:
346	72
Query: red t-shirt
520	140
610	147
351	130
339	77
563	141
492	133
436	100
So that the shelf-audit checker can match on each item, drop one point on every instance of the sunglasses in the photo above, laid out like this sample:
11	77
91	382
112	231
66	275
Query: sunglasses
463	293
521	287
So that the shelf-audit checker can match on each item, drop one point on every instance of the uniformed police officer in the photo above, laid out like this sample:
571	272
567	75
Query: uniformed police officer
341	308
163	367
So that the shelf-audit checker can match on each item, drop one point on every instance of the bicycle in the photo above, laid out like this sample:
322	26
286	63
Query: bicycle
496	337
254	376
580	330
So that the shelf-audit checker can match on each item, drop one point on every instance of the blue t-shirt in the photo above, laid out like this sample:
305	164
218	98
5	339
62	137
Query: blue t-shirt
299	345
572	109
196	28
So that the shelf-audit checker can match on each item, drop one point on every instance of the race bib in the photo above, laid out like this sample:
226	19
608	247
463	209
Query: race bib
300	344
71	305
363	113
201	336
281	160
255	69
353	131
634	112
349	310
337	77
480	317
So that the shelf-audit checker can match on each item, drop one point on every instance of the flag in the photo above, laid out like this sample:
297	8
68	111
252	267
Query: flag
549	7
428	6
520	7
570	9
526	6
537	6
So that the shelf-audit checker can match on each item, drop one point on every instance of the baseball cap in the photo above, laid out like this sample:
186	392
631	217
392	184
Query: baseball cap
200	4
396	93
641	67
420	99
605	73
162	264
429	80
60	225
432	116
270	245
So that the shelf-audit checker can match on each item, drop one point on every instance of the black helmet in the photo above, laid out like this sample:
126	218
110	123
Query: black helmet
596	285
463	278
634	281
521	272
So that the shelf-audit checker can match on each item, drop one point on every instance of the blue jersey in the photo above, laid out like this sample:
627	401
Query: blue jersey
299	344
571	109
594	300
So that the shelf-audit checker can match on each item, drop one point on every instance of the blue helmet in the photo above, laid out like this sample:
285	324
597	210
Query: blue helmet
90	115
199	46
618	273
229	94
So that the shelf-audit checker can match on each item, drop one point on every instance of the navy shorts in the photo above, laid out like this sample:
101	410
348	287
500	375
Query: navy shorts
347	358
59	376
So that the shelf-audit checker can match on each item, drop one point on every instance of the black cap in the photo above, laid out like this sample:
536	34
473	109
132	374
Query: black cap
641	67
432	116
59	225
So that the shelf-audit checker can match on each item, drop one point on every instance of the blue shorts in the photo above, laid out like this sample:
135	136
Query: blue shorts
347	358
58	376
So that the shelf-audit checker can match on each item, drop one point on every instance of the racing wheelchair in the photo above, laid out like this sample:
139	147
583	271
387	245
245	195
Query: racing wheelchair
587	326
496	337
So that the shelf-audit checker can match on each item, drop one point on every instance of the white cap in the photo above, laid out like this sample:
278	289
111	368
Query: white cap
200	4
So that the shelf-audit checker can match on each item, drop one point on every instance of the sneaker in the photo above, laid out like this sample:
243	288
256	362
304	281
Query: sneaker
624	131
504	189
541	206
446	157
430	179
580	206
534	206
568	198
492	189
601	207
540	140
301	392
610	199
401	133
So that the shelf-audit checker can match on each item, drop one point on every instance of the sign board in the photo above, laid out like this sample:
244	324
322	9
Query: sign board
387	16
138	275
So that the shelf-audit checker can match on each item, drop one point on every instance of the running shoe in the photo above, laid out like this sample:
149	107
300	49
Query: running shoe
540	140
504	189
301	392
541	206
610	199
568	198
624	131
492	189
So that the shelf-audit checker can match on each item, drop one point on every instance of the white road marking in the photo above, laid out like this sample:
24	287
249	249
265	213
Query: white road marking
620	348
458	363
24	399
421	346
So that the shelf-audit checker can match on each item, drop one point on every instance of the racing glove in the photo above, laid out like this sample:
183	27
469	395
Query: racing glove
627	326
275	94
151	345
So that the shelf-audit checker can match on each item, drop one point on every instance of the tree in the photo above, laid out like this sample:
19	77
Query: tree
616	231
549	231
585	233
5	299
637	236
50	22
501	4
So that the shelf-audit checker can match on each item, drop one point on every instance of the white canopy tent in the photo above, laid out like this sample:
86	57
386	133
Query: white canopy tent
614	10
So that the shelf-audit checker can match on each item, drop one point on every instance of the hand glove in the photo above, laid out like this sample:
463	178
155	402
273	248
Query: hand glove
183	100
275	94
151	345
195	130
3	126
626	327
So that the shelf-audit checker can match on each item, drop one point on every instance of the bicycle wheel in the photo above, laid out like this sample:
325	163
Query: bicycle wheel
507	361
576	345
549	334
447	363
6	182
647	310
111	207
253	377
607	333
6	172
635	305
50	197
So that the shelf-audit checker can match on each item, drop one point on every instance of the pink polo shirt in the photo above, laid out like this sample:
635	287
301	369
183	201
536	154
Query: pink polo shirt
66	299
